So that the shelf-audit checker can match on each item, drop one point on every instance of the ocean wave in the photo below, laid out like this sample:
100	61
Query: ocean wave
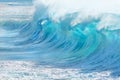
88	43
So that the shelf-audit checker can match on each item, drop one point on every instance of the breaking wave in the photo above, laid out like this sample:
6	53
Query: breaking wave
91	44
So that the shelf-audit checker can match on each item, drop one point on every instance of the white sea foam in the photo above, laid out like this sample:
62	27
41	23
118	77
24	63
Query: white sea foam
23	70
86	10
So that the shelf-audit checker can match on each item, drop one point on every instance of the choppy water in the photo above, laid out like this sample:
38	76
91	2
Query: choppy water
91	44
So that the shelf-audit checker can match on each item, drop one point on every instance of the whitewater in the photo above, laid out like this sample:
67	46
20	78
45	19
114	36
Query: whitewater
59	40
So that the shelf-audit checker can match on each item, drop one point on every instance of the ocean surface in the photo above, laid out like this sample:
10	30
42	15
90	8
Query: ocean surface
41	41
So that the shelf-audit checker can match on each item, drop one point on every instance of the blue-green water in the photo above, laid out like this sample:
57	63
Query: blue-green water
91	45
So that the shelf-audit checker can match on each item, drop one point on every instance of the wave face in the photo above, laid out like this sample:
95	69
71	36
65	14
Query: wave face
91	44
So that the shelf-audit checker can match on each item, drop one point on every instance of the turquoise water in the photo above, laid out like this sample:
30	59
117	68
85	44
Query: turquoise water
91	45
